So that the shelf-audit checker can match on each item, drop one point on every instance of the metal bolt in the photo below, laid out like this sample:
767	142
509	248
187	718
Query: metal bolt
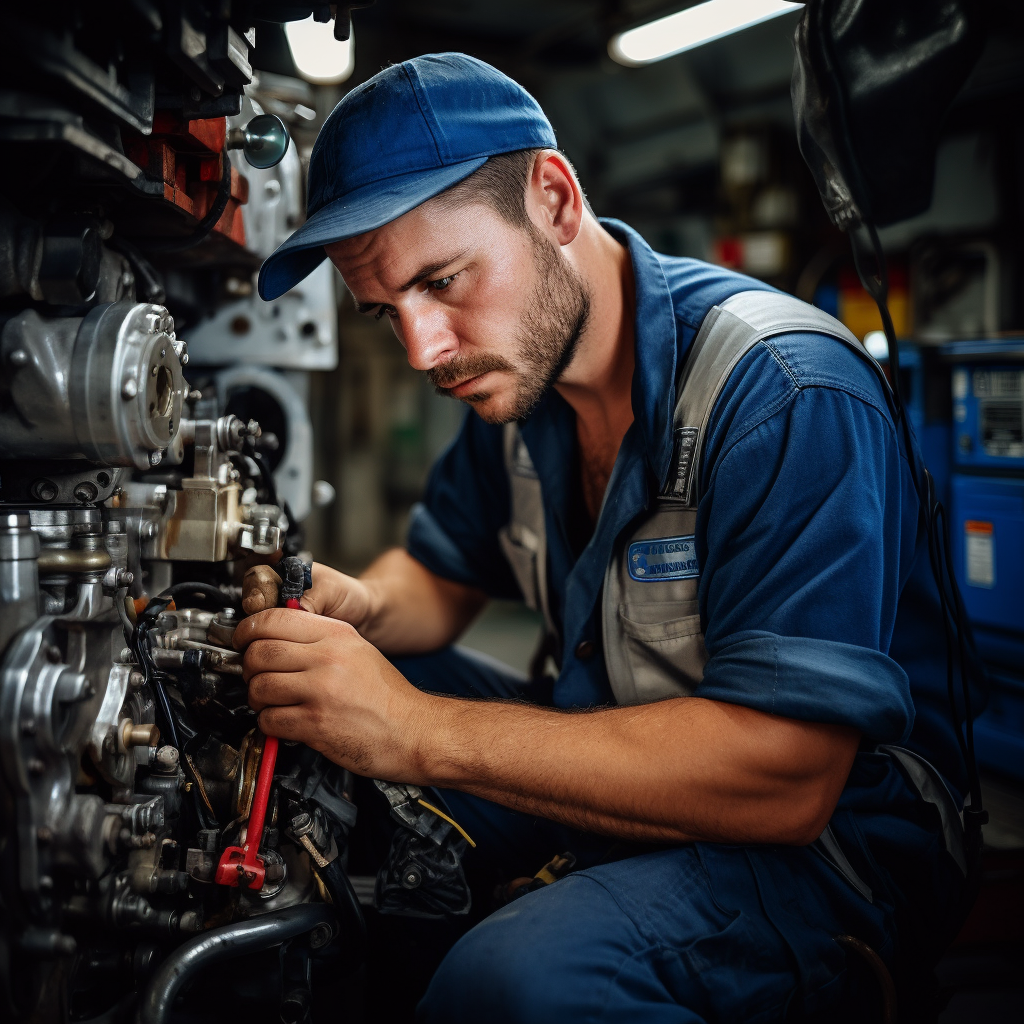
167	757
136	680
53	654
129	389
19	357
124	578
46	882
35	766
85	491
194	395
126	657
155	458
411	879
319	936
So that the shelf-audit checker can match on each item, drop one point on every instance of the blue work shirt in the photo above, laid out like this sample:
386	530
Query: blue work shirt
816	596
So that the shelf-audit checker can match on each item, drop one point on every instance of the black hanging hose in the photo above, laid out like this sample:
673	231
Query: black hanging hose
951	607
219	944
208	223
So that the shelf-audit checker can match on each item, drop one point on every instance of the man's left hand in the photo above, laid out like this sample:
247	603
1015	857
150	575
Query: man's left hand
316	680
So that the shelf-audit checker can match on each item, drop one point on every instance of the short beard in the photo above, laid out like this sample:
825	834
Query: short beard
547	339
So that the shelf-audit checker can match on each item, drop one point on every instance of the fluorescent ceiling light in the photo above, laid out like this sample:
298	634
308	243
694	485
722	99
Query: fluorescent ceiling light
320	57
693	27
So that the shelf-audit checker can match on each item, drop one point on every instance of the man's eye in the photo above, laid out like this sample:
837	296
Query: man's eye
442	282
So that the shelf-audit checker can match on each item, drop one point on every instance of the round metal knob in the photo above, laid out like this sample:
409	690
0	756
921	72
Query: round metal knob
264	141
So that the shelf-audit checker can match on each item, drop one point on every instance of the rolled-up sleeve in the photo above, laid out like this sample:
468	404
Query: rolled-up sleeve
815	680
801	569
453	531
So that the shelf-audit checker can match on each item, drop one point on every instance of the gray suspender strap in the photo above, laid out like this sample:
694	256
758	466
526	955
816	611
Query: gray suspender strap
728	333
926	781
524	540
828	847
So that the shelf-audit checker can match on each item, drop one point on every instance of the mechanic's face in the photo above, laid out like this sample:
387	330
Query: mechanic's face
492	313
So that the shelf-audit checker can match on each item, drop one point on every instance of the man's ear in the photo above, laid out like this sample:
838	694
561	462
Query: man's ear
554	201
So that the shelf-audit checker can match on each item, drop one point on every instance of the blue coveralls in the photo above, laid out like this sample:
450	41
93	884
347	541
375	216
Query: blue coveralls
817	603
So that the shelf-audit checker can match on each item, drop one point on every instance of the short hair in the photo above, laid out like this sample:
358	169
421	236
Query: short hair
500	184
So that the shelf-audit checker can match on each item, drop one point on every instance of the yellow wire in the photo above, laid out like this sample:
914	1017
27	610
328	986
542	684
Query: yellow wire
451	821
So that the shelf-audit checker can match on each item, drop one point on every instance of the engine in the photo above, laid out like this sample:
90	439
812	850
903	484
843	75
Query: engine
143	181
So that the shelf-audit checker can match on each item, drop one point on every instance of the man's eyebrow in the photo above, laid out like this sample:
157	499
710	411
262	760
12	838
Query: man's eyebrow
422	274
430	269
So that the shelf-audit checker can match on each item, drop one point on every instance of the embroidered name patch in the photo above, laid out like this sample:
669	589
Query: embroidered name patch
666	558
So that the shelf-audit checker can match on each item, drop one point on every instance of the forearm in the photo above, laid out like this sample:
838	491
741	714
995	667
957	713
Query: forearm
411	609
679	770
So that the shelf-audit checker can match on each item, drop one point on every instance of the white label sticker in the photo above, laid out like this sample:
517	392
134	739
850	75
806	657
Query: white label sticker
980	553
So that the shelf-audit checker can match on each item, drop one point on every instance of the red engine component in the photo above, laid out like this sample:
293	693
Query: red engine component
241	865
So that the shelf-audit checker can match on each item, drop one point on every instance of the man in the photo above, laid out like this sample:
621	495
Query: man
759	657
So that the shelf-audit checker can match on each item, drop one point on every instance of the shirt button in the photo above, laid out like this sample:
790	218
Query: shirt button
585	650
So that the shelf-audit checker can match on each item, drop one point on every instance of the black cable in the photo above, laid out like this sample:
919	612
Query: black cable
205	590
152	676
208	223
954	616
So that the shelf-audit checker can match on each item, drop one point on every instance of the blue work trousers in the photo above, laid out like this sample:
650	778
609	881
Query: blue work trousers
698	932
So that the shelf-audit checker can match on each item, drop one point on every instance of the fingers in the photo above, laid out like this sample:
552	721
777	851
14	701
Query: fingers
275	656
268	689
336	595
289	624
286	723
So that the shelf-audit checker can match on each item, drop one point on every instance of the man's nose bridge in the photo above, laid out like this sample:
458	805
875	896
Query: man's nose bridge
427	336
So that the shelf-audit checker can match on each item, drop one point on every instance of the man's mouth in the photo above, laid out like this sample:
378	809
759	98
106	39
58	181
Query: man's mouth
470	386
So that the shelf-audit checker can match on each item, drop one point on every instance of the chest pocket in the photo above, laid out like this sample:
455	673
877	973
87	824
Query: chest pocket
650	609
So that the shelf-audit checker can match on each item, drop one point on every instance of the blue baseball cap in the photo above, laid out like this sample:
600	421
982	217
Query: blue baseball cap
394	142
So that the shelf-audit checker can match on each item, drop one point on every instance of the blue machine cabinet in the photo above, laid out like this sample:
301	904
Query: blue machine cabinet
987	530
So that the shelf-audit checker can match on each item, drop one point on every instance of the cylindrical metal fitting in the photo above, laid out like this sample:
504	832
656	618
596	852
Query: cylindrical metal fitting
19	575
132	735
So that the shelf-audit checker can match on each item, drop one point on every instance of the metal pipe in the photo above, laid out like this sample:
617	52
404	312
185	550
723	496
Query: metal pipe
73	560
219	944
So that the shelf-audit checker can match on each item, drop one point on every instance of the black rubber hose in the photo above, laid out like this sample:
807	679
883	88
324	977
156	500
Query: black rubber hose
346	903
258	933
208	223
206	590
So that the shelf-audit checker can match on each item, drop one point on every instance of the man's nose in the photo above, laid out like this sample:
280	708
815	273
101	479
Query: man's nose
427	337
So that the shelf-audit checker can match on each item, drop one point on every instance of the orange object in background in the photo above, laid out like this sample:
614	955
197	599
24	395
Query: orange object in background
857	310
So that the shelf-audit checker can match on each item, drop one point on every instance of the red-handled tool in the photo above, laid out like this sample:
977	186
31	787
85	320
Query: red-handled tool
241	865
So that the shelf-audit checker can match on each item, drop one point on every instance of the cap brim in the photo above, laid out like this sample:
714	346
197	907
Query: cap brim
363	209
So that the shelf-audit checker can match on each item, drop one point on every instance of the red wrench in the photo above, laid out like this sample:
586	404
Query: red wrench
241	865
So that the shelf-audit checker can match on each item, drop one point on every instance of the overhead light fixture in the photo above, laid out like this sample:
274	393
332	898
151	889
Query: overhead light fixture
320	58
692	27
